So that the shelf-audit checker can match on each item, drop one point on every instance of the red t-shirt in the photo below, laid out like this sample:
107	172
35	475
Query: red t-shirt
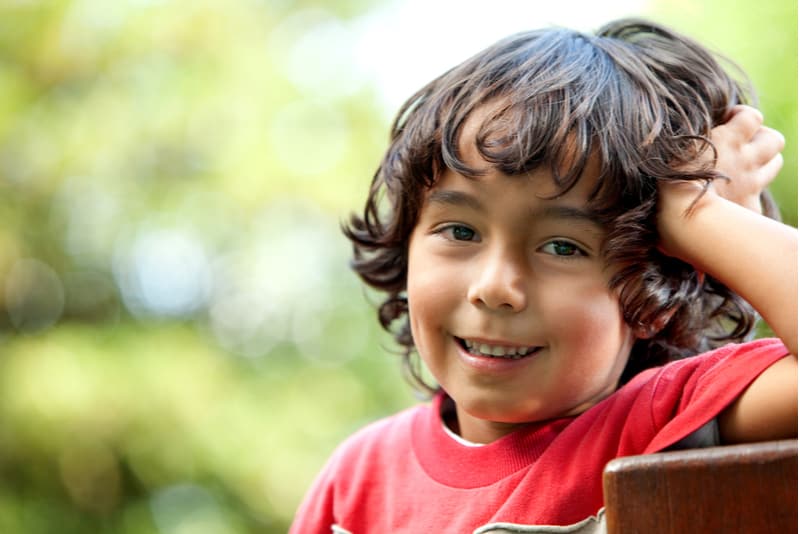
405	474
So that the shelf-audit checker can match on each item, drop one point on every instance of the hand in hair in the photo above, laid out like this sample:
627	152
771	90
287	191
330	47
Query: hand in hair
749	156
746	155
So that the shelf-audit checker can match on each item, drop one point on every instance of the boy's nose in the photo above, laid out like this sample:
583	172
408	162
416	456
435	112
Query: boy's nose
499	284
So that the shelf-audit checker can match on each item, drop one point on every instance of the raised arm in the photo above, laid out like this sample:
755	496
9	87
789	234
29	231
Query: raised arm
725	235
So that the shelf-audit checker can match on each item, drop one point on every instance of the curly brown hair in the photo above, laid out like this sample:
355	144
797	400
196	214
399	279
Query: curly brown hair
637	96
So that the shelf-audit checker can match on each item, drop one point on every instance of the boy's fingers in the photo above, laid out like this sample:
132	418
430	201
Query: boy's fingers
744	120
766	143
769	171
747	110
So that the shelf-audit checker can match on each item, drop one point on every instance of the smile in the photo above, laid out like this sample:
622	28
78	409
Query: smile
495	351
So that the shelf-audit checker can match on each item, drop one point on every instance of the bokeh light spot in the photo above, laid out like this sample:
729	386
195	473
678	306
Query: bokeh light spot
163	273
34	295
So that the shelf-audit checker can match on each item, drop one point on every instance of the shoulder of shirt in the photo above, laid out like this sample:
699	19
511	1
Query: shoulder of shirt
655	377
720	353
735	350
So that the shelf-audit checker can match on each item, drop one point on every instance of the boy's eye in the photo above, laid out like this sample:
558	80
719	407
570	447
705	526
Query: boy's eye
459	232
562	248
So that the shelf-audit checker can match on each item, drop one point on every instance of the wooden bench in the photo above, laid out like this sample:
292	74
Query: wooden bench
739	488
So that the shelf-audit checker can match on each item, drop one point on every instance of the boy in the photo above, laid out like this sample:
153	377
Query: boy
554	220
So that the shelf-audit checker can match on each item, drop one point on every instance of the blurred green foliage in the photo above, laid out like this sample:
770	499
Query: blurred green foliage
181	343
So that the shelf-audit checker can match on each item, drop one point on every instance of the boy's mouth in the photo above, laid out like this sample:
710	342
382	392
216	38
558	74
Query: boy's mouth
495	351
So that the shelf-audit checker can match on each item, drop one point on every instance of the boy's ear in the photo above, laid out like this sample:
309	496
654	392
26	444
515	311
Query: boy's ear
647	331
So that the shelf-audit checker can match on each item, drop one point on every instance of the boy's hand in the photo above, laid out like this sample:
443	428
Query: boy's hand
748	153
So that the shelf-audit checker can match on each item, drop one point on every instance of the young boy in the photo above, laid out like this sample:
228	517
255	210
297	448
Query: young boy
555	220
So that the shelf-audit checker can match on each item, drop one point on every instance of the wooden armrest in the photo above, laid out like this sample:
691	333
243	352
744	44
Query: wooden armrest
737	488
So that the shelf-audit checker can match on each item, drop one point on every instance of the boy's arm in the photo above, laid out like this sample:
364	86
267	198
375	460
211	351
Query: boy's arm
723	233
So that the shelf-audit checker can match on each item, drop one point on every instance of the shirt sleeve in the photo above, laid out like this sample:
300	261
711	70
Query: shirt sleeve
688	394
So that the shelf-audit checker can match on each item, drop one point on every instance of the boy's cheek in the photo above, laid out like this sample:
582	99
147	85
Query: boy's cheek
426	291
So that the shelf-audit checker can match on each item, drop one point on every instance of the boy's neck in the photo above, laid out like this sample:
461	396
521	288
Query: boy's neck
479	434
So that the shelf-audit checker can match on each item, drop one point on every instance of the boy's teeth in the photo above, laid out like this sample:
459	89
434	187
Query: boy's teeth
497	351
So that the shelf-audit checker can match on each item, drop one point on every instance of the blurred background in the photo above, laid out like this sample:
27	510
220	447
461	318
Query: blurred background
182	344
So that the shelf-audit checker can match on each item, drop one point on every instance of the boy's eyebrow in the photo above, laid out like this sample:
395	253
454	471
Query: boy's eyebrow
455	198
569	213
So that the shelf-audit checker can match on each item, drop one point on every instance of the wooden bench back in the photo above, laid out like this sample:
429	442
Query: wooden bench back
740	488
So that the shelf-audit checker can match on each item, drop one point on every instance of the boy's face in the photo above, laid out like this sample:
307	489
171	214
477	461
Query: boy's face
494	268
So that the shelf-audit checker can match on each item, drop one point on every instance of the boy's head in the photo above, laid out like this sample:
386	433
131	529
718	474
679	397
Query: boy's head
608	115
